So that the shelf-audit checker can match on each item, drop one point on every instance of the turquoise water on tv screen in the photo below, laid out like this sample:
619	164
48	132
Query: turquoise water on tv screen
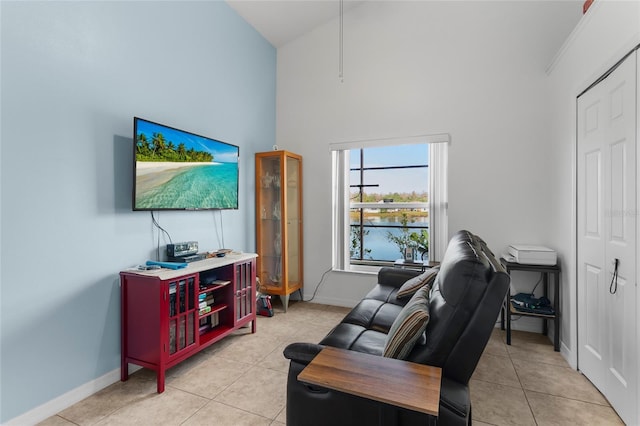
191	187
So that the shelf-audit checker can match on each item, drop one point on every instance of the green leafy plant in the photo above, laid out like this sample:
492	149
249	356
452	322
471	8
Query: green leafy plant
357	250
420	241
417	240
404	239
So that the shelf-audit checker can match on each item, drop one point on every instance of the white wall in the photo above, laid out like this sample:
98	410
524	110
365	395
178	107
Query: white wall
73	76
475	70
608	31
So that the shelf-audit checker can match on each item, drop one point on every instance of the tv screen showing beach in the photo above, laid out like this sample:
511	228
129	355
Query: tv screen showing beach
178	170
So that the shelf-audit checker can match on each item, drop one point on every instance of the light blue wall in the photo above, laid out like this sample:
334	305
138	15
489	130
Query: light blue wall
73	76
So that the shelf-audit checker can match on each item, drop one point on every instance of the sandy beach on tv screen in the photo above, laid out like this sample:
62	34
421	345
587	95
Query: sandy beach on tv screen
145	167
150	174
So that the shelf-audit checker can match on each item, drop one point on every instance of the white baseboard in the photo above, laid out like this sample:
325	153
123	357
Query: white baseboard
66	400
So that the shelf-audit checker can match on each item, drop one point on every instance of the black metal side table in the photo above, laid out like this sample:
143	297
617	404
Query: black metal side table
508	309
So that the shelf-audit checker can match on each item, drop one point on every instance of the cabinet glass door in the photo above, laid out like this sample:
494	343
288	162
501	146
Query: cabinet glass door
181	314
294	219
270	211
245	297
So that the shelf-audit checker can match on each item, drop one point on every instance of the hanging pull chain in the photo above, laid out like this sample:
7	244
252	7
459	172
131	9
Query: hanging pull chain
613	287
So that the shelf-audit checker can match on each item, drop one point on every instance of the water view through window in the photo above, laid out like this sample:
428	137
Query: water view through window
388	202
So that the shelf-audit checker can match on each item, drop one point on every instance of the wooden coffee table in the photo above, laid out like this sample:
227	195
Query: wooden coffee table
391	381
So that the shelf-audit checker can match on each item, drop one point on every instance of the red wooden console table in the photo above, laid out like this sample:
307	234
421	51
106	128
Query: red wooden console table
169	315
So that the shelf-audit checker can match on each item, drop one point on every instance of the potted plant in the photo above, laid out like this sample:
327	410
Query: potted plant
421	242
403	241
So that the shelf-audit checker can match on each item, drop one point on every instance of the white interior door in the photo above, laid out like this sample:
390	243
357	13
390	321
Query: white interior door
607	238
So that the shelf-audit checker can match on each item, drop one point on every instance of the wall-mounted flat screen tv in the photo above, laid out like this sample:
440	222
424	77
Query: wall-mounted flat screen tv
178	170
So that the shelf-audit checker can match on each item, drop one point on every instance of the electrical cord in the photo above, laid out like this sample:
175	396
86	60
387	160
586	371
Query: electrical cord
315	291
164	231
221	229
215	227
539	281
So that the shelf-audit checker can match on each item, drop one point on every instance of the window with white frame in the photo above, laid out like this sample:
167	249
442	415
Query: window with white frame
389	196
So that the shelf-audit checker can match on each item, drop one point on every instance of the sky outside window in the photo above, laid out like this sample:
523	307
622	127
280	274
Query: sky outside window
392	180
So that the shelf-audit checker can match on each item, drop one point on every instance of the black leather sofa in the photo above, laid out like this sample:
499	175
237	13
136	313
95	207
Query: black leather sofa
464	303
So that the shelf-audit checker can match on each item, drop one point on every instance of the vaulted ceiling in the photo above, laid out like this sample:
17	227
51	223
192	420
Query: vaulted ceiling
281	21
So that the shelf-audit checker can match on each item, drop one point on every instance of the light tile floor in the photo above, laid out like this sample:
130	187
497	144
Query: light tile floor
527	383
241	380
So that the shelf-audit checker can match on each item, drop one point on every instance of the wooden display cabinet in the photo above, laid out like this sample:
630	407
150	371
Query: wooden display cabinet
169	315
279	223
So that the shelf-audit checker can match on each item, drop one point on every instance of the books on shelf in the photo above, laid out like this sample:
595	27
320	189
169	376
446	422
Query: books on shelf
209	322
205	310
206	298
220	282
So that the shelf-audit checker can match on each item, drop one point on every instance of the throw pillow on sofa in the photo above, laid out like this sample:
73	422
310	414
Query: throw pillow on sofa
408	326
414	284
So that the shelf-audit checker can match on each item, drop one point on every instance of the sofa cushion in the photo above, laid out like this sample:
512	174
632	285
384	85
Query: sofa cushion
373	314
408	326
412	285
389	281
370	342
385	293
356	338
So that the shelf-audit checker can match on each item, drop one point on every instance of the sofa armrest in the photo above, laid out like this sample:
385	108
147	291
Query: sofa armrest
302	353
395	277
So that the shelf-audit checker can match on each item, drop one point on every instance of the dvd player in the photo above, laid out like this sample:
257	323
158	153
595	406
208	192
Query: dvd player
189	258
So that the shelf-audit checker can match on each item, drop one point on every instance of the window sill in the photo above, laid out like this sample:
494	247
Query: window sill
362	271
366	267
